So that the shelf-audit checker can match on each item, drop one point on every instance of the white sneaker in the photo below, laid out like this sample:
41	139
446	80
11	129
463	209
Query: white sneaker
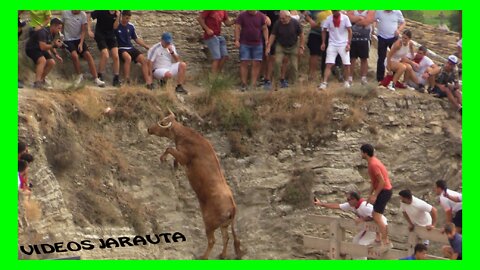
364	81
47	85
391	86
99	82
347	84
79	79
323	86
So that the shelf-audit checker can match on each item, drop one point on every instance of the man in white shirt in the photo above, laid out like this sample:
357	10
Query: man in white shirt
165	62
340	37
417	212
423	70
75	30
453	210
390	24
363	210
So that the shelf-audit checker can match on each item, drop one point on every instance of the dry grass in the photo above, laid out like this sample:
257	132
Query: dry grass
298	190
306	110
237	147
354	120
138	103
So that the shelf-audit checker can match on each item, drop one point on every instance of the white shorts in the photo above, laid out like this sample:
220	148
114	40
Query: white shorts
333	51
159	73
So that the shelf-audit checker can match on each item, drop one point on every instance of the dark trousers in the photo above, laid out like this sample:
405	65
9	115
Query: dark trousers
382	54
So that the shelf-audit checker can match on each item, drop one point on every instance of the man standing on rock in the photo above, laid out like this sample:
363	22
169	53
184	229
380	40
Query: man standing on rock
380	192
390	24
211	22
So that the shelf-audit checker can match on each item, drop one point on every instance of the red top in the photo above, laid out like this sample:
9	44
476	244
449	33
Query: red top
213	19
375	166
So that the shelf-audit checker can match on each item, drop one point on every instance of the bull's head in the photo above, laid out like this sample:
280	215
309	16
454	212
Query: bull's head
163	128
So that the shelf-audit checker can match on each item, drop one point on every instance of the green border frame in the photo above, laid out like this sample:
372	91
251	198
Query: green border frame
9	112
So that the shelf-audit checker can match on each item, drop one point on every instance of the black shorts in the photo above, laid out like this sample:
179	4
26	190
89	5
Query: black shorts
382	200
35	54
359	49
72	45
314	43
457	219
106	40
133	52
439	93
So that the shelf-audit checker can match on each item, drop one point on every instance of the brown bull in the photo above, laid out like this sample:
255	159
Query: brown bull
196	153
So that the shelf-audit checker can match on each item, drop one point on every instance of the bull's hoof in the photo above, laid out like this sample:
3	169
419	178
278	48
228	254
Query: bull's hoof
240	254
202	257
222	256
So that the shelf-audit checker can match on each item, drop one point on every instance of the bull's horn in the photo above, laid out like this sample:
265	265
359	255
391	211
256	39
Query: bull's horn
165	126
171	113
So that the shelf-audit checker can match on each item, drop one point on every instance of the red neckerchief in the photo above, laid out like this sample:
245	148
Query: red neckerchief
336	20
359	203
417	59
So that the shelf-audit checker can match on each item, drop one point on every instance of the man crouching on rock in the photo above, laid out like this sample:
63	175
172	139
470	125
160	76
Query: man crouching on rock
40	48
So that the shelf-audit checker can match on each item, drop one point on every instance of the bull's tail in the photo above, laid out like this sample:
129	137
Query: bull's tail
236	243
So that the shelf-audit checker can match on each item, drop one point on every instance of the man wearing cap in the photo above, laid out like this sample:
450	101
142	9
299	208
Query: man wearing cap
165	62
446	83
40	48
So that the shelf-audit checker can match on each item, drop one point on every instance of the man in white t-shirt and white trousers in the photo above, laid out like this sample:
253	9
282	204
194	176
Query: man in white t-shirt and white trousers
165	62
364	211
340	37
417	212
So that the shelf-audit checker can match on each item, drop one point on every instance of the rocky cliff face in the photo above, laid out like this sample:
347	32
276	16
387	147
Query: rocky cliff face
97	175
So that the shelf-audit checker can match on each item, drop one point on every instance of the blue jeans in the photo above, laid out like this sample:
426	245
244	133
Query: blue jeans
251	52
217	46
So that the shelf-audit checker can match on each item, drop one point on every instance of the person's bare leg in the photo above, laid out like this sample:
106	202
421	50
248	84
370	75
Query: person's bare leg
48	67
91	64
312	67
255	72
116	61
182	70
127	63
39	68
145	72
363	67
103	60
328	71
76	62
377	217
244	71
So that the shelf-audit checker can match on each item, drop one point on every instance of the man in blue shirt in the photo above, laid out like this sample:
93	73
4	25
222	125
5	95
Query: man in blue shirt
454	250
125	32
420	253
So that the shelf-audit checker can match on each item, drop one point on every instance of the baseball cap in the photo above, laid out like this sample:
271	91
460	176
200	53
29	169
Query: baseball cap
167	37
453	59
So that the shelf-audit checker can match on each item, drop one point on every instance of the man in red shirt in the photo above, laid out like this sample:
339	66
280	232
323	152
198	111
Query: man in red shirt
380	191
211	22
